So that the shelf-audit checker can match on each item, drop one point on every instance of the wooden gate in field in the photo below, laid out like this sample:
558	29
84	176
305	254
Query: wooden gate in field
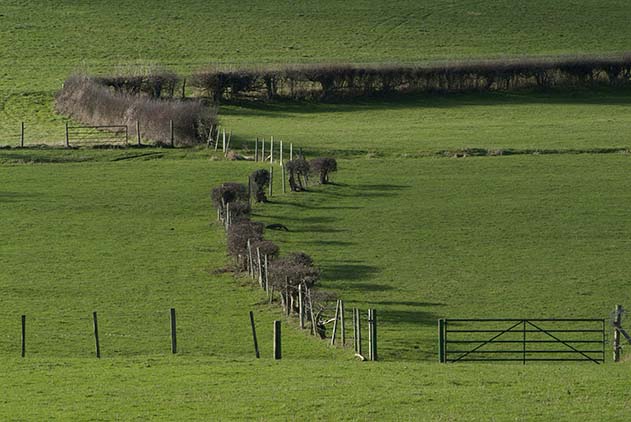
521	340
91	135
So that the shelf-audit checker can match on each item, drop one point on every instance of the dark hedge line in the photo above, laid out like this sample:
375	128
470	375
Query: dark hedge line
333	81
86	100
156	85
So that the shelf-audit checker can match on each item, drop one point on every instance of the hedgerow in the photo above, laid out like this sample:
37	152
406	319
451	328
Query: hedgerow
87	101
334	81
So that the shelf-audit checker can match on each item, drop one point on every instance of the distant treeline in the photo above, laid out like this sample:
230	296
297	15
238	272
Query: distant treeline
126	100
334	81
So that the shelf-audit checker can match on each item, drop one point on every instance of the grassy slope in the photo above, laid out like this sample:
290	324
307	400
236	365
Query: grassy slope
548	234
210	389
506	236
40	44
414	126
129	240
60	36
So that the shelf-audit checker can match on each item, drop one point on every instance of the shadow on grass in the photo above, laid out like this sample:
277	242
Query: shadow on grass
285	109
327	243
406	303
349	271
416	317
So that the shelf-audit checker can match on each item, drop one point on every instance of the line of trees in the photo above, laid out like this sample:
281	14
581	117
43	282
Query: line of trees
334	81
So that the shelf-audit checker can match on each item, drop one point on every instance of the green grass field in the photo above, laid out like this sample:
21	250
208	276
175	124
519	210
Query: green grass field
41	44
130	233
523	236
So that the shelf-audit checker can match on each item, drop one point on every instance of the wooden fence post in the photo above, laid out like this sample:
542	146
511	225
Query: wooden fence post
256	344
280	159
287	297
291	151
616	334
301	306
277	340
22	134
372	334
23	336
228	144
314	328
358	330
271	180
441	340
223	148
271	150
172	133
250	260
97	345
138	132
260	266
256	150
67	137
217	140
282	175
173	332
342	324
266	280
337	315
263	150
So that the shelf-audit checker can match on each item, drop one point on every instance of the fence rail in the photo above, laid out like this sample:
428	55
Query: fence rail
88	134
522	340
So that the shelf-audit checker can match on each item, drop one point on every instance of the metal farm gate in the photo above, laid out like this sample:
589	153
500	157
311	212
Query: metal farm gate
521	340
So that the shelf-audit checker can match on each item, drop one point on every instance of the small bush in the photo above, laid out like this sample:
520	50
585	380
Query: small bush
156	83
228	192
239	210
267	247
260	180
323	166
298	170
238	235
294	269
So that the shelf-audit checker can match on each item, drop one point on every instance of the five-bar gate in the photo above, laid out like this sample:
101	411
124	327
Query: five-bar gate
521	340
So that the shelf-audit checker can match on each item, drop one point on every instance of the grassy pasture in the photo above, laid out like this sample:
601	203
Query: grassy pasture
420	126
130	240
41	44
498	236
198	388
129	232
419	239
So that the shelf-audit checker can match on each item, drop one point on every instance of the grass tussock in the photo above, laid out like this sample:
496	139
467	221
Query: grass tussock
86	100
334	81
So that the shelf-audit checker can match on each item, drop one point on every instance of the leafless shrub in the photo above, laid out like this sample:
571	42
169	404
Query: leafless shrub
298	170
156	83
228	192
260	180
239	210
267	247
239	234
293	270
85	100
285	274
323	166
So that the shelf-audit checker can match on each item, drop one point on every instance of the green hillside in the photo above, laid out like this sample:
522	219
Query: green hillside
405	228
